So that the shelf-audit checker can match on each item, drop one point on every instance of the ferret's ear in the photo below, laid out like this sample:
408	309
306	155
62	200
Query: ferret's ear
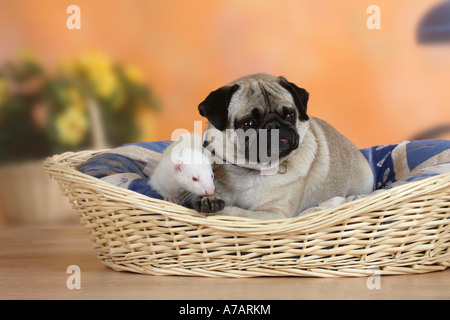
215	106
300	96
178	166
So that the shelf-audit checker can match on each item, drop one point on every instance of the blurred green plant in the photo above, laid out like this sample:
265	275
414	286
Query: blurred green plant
43	114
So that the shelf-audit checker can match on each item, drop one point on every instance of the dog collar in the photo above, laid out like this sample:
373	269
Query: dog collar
286	168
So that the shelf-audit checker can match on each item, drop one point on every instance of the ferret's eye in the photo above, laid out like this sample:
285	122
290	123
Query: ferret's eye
194	179
212	176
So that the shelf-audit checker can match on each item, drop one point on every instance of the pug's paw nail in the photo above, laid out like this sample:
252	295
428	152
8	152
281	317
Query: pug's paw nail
209	205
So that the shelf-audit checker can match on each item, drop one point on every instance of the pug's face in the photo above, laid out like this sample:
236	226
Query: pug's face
266	114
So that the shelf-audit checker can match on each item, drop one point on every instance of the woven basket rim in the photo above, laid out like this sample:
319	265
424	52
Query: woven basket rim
68	161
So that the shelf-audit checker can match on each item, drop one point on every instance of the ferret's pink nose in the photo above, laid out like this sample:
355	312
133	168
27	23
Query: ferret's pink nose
209	191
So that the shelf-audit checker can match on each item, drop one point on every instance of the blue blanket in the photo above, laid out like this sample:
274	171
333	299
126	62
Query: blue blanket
125	166
128	166
407	161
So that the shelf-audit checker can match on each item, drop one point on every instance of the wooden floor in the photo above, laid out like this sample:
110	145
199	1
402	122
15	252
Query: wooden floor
34	262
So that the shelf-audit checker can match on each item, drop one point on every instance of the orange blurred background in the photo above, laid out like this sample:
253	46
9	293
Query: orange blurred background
375	86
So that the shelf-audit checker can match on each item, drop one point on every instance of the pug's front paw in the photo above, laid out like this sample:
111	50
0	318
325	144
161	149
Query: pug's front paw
209	205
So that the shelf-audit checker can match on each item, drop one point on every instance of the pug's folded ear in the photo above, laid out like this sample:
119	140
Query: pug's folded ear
215	106
300	95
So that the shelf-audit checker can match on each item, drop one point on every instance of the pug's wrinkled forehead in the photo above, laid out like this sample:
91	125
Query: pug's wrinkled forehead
260	91
257	97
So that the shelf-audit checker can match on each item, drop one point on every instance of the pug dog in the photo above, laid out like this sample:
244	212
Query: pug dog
307	159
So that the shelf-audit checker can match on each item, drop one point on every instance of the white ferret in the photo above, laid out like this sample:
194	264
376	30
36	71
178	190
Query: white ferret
183	170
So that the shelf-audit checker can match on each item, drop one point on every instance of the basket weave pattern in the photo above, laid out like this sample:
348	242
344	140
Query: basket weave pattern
398	231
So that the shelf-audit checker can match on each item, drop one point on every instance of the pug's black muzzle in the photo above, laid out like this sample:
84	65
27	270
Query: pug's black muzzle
273	142
289	139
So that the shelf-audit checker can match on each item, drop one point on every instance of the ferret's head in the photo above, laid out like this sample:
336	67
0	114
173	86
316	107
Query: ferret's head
193	171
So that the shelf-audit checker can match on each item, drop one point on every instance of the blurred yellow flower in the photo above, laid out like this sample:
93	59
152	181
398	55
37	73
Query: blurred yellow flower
74	98
95	63
3	91
71	126
99	71
88	98
105	84
133	74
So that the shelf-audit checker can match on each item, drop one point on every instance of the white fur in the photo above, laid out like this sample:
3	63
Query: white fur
180	164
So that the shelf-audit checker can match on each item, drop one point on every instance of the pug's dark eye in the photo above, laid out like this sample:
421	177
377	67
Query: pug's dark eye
248	124
290	117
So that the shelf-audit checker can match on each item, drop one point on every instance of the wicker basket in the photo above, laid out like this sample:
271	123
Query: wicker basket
398	231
